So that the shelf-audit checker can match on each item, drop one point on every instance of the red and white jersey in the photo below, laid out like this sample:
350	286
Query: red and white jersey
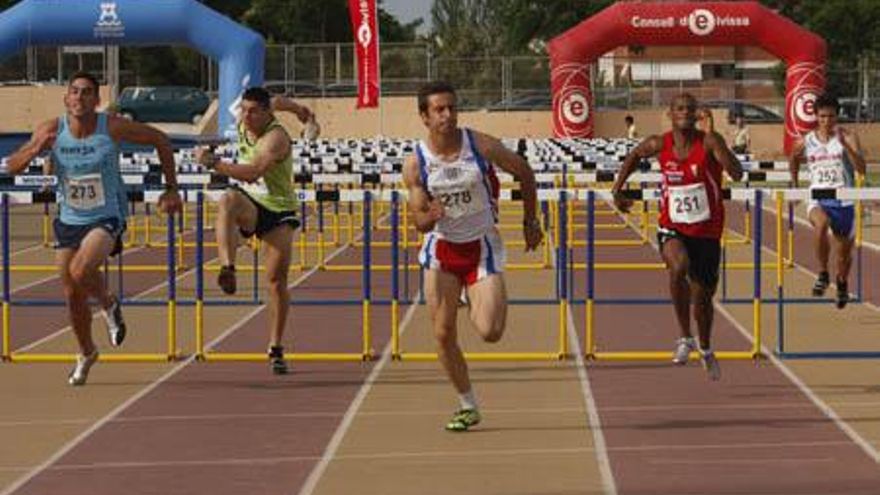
829	165
464	188
691	201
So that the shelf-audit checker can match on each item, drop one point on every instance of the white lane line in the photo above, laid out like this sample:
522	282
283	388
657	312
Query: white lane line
27	249
33	283
333	446
806	390
149	388
848	430
609	486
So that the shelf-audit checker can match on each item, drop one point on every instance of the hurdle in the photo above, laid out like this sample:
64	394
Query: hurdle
857	194
365	302
170	354
560	200
591	350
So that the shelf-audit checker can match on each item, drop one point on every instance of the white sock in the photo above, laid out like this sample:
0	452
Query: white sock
705	351
468	400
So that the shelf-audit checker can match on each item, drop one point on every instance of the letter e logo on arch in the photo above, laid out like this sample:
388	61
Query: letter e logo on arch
805	106
701	22
575	107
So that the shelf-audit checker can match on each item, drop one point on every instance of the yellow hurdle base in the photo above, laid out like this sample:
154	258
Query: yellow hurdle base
667	356
255	357
485	356
103	358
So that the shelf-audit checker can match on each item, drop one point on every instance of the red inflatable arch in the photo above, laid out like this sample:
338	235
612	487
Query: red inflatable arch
684	23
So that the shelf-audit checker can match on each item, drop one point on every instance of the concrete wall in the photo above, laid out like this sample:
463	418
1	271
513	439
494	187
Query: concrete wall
24	107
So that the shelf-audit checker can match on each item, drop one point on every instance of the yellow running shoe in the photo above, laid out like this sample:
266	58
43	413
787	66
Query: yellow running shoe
463	419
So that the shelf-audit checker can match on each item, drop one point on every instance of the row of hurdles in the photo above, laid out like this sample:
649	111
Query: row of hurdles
379	213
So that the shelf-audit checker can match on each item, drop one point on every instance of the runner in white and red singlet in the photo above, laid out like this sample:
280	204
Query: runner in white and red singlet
452	195
691	219
833	155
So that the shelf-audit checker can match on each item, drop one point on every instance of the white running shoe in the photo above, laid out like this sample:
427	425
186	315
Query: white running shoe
710	364
683	349
80	373
115	323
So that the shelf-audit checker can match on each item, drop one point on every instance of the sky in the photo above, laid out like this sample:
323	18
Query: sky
408	10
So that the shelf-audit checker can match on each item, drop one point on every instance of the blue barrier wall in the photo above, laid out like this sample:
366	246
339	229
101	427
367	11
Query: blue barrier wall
239	51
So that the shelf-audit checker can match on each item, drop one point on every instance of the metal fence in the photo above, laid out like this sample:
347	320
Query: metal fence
491	83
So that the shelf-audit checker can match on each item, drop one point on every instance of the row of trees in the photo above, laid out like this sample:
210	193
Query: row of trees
481	28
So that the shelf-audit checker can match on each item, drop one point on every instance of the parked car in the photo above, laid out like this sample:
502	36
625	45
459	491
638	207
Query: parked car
536	101
343	88
855	110
751	113
293	88
163	104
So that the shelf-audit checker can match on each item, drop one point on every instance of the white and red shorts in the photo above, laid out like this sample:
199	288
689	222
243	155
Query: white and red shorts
469	261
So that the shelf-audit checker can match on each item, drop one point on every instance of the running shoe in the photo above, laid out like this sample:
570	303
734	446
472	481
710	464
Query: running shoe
710	364
80	373
842	294
822	283
276	360
463	419
115	323
463	299
226	279
683	349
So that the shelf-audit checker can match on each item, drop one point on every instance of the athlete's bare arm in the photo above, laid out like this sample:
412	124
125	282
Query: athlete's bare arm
122	129
41	140
425	210
508	161
795	158
722	154
273	147
648	148
286	104
852	145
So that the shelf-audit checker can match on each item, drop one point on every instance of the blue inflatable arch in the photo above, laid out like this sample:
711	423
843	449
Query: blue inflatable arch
239	51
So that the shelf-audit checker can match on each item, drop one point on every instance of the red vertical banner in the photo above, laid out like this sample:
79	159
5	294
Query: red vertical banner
366	45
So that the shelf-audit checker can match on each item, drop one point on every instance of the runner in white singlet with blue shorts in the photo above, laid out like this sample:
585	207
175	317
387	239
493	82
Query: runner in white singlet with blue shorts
450	186
833	155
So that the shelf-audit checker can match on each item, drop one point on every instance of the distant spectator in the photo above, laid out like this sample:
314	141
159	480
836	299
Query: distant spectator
705	121
631	132
742	140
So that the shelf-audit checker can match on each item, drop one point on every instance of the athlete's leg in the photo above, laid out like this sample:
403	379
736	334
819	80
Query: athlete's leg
844	247
277	252
821	246
80	277
488	306
704	311
85	265
441	292
234	211
675	256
